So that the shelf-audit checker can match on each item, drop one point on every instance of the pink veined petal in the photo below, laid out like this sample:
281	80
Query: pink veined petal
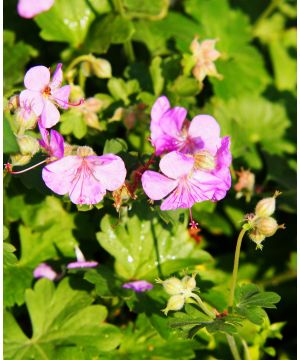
57	77
59	175
50	115
165	143
61	96
176	164
32	99
85	188
171	122
211	183
159	108
156	185
29	8
207	128
109	169
37	78
56	144
44	142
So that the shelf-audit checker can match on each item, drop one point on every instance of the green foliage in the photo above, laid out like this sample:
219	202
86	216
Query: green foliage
60	318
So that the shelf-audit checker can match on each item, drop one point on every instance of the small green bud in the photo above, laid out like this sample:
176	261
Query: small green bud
20	160
172	286
266	207
24	120
189	282
102	68
28	145
76	93
266	226
175	303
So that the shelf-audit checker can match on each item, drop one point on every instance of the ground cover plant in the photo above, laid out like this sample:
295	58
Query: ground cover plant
149	179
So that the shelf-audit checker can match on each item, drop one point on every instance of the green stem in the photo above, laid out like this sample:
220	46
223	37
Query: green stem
128	48
202	306
78	60
247	355
235	268
268	11
233	347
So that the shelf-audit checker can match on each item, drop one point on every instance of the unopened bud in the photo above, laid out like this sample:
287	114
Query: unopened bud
28	145
267	226
266	207
13	103
96	66
172	286
204	160
76	93
24	119
189	282
256	236
93	104
20	160
175	303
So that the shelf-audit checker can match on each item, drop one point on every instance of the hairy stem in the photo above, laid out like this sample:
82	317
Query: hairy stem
202	306
233	347
235	268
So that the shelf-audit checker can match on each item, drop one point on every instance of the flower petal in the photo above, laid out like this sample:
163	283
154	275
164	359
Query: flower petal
138	285
29	8
50	115
171	123
56	144
159	108
109	169
59	175
156	185
176	164
57	77
82	264
61	96
37	78
206	128
33	100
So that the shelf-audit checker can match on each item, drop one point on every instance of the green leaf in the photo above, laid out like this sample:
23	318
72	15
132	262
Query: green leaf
156	75
15	57
143	249
185	86
10	144
60	318
112	29
115	146
145	9
66	21
72	122
15	277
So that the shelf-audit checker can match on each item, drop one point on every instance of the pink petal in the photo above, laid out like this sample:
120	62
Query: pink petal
59	175
176	165
109	169
61	96
206	128
157	186
37	78
56	144
45	136
82	264
56	78
50	115
29	8
32	99
160	106
171	123
44	271
85	188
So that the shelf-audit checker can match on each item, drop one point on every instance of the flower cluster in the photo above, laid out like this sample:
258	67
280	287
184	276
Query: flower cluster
261	225
73	170
195	165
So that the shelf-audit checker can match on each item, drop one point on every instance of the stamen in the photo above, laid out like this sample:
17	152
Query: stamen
193	224
8	168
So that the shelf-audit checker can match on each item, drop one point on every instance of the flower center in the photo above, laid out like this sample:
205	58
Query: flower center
204	160
85	151
47	91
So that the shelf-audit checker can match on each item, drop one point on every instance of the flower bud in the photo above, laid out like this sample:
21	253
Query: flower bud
266	226
189	282
266	207
20	160
28	145
24	119
13	103
76	93
257	237
172	286
175	303
102	68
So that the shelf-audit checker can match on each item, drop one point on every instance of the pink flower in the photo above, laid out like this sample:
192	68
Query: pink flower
53	143
85	176
44	271
189	179
171	131
43	94
81	262
29	8
138	285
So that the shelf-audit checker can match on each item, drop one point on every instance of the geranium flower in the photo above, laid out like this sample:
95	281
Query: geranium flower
85	176
44	95
44	271
170	131
205	54
53	143
188	179
29	8
81	261
138	285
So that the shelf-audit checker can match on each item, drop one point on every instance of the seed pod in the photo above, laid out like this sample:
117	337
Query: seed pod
256	236
189	282
172	286
266	226
175	303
